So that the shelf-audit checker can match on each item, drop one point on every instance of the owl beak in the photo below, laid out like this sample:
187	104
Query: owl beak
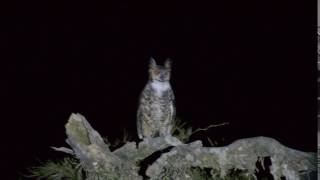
162	77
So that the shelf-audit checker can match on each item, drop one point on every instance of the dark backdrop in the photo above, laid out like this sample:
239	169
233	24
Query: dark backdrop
249	63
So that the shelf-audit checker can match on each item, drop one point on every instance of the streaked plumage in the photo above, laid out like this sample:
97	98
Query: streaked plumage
156	111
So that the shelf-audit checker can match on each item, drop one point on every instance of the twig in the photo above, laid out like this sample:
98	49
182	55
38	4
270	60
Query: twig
211	126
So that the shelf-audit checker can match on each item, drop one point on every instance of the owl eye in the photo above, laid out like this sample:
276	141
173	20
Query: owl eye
156	71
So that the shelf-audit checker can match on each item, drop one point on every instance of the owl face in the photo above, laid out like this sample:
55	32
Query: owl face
158	72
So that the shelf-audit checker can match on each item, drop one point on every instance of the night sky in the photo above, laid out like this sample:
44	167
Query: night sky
252	64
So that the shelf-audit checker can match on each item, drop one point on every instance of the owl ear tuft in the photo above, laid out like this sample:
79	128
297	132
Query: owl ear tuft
152	63
167	63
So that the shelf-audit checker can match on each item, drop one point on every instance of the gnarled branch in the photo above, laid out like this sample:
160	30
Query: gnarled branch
123	163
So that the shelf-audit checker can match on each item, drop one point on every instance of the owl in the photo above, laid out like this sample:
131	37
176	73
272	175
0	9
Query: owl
156	111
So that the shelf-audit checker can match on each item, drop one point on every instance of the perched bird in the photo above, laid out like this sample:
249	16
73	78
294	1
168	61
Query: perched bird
156	111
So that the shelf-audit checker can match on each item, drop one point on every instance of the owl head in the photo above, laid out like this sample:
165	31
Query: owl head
158	72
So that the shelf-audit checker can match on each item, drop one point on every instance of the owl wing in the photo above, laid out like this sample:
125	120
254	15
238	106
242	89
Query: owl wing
143	99
139	127
172	107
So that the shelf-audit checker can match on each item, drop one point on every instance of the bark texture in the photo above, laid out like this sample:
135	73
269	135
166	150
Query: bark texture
177	159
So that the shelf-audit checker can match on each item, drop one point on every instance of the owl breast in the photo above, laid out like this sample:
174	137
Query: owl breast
156	110
160	104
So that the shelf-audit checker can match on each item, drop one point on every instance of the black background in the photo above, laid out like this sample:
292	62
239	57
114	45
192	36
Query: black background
252	64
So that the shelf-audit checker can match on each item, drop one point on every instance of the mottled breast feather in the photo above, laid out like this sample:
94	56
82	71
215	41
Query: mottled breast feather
156	111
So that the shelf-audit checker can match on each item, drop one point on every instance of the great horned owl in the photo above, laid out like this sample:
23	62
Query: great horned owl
156	111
